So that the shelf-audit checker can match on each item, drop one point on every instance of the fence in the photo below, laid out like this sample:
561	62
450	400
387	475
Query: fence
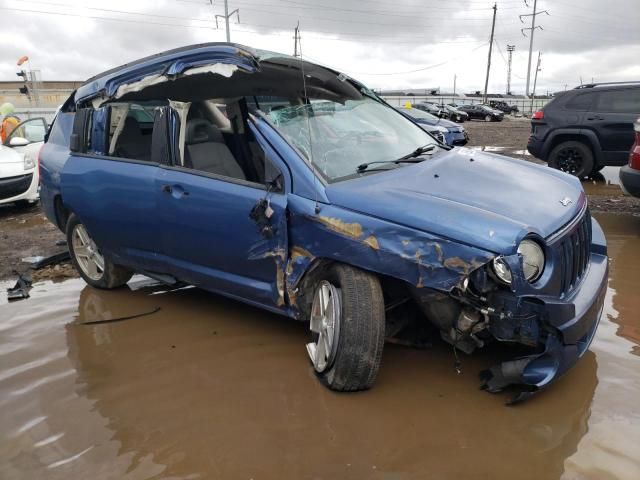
525	105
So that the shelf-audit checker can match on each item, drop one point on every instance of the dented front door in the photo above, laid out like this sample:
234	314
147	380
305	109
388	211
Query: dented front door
213	240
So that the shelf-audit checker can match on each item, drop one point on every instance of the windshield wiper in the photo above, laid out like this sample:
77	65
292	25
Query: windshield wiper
409	158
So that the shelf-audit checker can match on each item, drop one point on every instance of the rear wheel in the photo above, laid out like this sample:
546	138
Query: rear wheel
347	325
572	157
93	266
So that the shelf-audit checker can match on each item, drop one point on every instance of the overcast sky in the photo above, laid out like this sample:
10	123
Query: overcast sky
385	44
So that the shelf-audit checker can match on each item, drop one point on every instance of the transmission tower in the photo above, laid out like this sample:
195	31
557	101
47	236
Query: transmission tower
532	29
510	49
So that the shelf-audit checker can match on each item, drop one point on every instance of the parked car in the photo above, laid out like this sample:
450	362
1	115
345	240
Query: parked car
454	134
19	177
329	207
630	173
580	131
456	115
503	106
482	112
432	108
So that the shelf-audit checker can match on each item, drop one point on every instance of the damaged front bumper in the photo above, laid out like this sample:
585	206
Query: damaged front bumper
568	327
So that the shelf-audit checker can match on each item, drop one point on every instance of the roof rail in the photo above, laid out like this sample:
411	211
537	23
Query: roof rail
591	85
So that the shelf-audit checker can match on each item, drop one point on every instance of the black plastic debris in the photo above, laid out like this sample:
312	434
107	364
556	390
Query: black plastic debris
120	319
21	289
40	262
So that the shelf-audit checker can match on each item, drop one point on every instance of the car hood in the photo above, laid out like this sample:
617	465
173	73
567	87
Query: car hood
476	198
448	124
11	162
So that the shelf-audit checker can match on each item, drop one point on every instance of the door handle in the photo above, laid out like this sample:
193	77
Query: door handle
176	191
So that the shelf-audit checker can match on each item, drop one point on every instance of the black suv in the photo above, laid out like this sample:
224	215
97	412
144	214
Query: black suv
580	131
503	106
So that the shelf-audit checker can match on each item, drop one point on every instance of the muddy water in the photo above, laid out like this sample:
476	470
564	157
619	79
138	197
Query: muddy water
209	388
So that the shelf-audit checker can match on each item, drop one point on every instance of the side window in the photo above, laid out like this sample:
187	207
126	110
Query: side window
619	101
29	131
218	140
130	130
581	102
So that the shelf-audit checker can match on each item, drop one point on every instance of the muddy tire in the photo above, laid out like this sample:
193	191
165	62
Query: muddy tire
572	157
350	358
95	268
487	118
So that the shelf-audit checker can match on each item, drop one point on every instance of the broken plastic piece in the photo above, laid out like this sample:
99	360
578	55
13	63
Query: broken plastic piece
51	260
21	289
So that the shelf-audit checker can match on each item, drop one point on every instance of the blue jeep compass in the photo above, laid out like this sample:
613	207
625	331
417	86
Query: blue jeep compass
294	188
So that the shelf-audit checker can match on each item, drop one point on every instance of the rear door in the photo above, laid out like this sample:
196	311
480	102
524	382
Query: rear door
613	117
115	196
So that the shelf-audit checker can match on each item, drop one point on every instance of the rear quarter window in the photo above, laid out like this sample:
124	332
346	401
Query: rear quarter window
581	102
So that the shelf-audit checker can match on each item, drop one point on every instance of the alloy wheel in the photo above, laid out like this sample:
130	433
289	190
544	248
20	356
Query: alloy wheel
87	253
570	160
325	325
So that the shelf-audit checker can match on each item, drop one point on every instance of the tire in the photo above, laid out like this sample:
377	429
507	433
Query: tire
109	275
353	355
488	118
572	157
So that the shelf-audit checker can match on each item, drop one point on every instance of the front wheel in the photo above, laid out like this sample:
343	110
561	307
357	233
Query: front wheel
487	118
93	266
347	325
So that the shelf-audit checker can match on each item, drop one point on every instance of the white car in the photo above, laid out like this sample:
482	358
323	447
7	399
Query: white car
19	177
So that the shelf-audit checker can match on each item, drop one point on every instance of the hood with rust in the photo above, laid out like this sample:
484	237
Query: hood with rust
477	198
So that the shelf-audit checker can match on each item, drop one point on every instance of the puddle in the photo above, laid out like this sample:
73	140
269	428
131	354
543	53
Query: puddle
521	152
605	182
210	388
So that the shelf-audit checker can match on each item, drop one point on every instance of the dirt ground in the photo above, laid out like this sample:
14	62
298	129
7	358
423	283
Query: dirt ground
25	232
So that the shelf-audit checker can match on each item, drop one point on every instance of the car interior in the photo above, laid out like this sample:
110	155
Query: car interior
216	137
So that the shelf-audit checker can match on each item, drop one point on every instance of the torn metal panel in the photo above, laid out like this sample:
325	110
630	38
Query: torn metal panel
224	69
418	258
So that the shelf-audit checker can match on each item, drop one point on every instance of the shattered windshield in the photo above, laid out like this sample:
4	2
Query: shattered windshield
338	137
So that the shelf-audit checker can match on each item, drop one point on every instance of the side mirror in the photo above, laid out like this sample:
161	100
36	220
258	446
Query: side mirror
276	183
18	142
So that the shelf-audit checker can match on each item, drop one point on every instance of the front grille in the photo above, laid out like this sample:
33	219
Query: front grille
575	251
13	186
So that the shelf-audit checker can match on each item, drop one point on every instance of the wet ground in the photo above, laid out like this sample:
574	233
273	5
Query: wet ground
207	388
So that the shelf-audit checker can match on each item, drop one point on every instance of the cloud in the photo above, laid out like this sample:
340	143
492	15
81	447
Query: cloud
378	42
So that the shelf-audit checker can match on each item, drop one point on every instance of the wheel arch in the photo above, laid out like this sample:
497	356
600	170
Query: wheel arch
587	137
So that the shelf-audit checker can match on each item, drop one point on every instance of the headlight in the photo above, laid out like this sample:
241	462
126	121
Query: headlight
28	162
532	262
532	259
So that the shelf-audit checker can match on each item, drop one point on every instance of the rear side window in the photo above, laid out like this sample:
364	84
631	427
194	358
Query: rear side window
619	101
580	103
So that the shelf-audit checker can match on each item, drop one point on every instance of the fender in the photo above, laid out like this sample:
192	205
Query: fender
592	138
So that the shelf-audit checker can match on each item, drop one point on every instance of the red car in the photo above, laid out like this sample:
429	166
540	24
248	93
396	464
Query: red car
630	173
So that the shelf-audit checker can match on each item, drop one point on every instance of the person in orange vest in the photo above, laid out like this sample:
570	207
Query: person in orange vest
9	121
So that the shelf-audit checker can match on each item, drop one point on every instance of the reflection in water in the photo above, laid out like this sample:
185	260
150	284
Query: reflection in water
209	388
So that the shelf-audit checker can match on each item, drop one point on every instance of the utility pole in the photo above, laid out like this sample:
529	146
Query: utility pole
493	28
510	49
454	83
227	15
532	29
535	81
296	39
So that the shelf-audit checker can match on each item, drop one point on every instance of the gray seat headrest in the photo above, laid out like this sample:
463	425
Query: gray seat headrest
200	130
